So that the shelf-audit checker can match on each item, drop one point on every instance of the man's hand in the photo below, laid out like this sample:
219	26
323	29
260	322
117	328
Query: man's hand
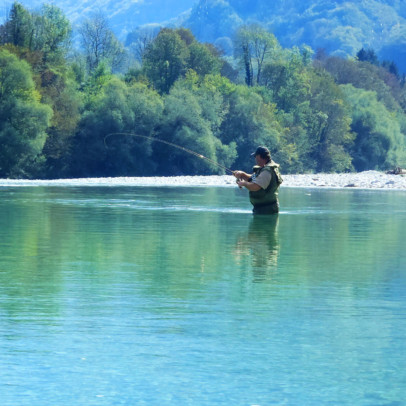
241	175
252	187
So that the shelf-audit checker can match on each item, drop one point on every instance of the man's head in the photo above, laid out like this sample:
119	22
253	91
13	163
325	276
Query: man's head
262	155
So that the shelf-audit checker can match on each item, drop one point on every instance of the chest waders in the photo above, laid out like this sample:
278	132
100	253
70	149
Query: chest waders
265	201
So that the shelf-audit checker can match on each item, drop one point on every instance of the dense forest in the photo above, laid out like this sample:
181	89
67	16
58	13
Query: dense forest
60	102
341	27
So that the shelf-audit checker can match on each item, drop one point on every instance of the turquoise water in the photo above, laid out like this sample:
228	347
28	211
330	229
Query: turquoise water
178	296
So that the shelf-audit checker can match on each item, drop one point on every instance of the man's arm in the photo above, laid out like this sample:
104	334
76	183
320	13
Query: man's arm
262	181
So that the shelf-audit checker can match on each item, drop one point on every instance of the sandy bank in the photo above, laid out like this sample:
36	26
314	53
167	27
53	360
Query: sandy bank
362	180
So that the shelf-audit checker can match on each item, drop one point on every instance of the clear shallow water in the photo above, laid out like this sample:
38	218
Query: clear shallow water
178	296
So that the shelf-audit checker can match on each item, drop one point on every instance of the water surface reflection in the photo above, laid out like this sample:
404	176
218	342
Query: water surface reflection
181	296
260	244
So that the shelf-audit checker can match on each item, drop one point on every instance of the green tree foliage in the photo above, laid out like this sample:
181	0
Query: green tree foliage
23	119
165	60
173	53
365	75
95	84
253	47
288	77
379	143
250	121
66	103
46	32
330	125
287	80
341	27
202	59
18	29
313	113
52	34
192	117
120	108
44	43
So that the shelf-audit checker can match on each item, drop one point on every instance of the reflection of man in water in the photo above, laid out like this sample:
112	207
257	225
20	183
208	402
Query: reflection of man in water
263	184
261	245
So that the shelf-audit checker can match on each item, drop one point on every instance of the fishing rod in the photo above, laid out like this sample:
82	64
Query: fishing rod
196	154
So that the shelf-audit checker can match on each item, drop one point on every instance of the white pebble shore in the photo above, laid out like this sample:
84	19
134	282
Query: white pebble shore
361	180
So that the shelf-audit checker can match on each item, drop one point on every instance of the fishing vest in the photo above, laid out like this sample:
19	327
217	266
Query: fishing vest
268	196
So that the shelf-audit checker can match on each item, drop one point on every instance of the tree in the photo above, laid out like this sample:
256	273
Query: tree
99	43
202	60
23	119
165	60
66	103
253	46
194	111
47	32
19	28
364	75
288	78
288	82
250	121
133	109
190	121
329	125
367	55
44	47
52	33
379	143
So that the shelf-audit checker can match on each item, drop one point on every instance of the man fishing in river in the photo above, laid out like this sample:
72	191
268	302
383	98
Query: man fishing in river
263	184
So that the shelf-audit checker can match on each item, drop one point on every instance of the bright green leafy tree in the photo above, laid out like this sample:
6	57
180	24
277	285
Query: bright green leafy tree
23	119
194	111
330	125
165	60
379	143
118	108
250	121
202	60
18	29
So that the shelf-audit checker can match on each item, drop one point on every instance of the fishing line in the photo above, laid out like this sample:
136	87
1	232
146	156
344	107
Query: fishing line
196	154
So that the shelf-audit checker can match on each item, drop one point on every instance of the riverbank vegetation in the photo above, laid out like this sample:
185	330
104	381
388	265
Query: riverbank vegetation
59	102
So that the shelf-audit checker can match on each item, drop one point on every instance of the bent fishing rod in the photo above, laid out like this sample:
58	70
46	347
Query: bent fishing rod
196	154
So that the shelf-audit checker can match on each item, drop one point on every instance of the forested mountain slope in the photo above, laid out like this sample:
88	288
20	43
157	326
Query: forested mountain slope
123	15
341	27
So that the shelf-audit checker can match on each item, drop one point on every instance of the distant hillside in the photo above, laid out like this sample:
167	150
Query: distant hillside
124	15
342	28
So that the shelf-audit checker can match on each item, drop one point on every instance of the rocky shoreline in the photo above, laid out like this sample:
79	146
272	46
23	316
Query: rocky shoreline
361	180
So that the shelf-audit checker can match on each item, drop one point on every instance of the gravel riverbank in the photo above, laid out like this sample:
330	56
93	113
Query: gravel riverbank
362	180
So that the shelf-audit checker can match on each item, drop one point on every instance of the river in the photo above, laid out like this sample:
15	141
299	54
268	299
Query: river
179	296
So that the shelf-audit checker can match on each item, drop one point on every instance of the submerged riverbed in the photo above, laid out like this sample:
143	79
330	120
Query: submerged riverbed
178	295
